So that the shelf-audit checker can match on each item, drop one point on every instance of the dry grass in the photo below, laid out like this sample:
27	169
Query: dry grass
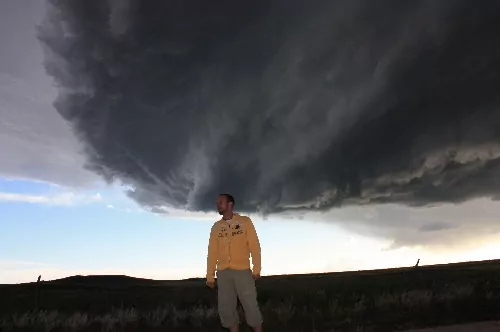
364	313
372	301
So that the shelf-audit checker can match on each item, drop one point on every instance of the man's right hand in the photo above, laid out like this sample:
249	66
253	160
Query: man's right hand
211	284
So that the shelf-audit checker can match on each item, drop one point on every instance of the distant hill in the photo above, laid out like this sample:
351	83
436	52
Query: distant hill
101	280
126	281
387	298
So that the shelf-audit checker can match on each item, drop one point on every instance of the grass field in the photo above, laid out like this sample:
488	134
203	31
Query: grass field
382	300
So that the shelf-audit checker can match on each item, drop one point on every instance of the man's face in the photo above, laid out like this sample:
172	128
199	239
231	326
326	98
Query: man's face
222	204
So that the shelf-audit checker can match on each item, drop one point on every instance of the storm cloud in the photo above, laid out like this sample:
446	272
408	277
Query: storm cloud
287	105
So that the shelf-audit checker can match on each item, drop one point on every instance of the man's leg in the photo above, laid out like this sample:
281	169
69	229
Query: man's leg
247	293
227	300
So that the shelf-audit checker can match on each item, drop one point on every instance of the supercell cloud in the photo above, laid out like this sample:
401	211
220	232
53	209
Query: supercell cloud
289	105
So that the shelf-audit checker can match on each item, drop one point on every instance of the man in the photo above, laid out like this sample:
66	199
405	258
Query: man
232	240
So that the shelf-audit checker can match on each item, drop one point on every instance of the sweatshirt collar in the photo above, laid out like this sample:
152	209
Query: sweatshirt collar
235	217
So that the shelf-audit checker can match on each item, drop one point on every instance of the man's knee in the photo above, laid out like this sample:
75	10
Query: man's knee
250	305
227	309
228	317
253	315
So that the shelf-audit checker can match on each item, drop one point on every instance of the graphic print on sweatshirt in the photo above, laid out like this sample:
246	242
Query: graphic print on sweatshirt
236	229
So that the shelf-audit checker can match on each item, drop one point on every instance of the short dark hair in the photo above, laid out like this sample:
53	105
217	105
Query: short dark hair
229	198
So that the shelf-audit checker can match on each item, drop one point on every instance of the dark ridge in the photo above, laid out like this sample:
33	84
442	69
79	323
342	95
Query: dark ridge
101	280
126	281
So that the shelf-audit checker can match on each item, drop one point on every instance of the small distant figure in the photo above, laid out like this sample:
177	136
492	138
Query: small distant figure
416	265
232	240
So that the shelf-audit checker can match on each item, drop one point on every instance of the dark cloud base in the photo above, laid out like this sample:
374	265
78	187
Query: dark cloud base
284	104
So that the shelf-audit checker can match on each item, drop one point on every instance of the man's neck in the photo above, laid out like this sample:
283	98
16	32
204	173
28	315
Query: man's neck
227	216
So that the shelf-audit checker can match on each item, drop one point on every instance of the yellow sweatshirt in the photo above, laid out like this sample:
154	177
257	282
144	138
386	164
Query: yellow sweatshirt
231	244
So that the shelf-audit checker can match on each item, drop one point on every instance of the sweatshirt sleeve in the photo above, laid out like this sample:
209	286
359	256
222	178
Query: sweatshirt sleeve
254	246
212	254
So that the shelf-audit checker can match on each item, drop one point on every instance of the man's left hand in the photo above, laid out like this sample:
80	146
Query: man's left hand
256	276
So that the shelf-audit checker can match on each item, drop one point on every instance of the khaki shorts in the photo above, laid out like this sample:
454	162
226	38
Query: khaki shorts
234	284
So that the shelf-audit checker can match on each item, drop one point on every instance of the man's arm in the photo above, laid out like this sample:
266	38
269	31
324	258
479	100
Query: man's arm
254	245
212	255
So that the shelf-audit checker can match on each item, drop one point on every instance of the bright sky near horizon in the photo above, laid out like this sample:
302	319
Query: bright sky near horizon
55	232
57	219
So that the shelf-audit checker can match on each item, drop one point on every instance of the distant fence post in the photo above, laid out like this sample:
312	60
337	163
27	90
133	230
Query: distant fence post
37	292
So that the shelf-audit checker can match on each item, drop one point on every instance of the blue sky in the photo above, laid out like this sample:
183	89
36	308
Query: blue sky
44	227
49	230
58	219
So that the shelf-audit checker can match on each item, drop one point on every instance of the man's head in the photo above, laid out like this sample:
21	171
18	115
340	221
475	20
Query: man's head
225	203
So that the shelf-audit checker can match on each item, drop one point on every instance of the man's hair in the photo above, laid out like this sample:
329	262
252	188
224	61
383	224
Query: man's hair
230	198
